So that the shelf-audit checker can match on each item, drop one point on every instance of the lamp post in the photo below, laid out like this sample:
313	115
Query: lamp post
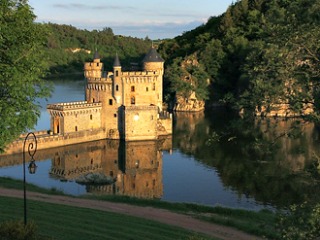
32	149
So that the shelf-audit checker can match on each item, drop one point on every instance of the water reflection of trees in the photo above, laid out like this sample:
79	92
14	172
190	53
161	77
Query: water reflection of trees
263	158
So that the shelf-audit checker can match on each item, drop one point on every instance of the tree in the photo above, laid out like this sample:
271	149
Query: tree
22	64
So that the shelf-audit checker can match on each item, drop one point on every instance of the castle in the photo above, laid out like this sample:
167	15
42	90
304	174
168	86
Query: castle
123	105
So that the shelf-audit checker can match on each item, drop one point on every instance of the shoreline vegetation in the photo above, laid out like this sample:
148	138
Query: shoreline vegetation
262	223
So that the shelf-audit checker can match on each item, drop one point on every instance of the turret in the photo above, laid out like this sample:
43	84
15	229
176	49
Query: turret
117	85
93	69
153	61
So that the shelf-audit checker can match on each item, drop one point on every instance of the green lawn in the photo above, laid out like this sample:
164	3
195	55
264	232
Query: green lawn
262	223
65	222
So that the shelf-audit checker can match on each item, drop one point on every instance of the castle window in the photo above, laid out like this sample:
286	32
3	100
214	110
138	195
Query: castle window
151	117
115	115
117	73
133	100
76	128
147	89
90	116
117	88
154	86
93	99
132	89
110	102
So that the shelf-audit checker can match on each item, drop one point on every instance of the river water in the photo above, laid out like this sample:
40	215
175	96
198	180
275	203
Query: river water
213	158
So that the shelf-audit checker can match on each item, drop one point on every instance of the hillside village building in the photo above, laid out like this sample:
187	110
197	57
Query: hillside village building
119	104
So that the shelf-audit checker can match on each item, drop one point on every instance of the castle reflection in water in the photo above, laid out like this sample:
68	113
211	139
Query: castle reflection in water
132	168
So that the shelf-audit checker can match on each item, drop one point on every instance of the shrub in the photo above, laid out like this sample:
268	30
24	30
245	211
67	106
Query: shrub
16	230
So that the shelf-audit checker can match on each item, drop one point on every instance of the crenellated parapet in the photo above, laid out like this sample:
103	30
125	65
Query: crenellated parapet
141	73
74	107
100	86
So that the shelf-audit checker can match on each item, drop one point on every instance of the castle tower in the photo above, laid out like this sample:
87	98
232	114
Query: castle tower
153	62
117	84
93	69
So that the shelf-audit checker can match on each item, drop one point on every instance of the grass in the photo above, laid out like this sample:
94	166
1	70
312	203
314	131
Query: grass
7	182
262	223
65	222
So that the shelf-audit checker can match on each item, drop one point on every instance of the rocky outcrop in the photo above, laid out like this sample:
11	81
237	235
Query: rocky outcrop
190	104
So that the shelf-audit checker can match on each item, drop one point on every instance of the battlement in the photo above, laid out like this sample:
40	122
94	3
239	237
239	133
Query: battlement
72	105
140	73
93	65
139	108
99	80
165	115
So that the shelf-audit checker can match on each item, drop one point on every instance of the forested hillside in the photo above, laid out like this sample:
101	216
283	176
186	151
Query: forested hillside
258	53
68	48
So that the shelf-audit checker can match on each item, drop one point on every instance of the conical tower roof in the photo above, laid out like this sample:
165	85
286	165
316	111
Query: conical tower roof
116	61
96	55
153	56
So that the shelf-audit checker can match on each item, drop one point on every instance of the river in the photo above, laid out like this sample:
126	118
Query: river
213	158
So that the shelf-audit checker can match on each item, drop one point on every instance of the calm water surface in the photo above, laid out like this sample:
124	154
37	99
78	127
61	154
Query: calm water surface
210	159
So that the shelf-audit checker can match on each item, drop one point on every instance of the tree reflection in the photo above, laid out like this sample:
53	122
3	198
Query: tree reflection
267	159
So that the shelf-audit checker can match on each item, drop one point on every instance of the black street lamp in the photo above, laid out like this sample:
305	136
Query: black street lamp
32	149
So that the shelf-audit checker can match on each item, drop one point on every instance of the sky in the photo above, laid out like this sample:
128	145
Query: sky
156	19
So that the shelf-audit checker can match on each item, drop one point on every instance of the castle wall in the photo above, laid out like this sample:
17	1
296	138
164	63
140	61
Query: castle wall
74	117
141	91
46	141
139	123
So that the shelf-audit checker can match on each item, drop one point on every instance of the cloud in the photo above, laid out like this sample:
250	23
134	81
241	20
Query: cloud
79	6
152	29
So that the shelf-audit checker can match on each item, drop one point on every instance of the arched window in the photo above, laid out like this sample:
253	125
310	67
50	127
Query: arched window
117	88
132	89
133	100
117	73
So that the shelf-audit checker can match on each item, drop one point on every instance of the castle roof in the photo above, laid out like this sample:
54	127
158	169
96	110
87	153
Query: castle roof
116	62
96	55
153	56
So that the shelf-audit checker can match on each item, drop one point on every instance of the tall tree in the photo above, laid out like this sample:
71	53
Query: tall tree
22	64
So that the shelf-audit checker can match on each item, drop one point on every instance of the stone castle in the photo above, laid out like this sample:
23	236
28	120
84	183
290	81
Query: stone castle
125	105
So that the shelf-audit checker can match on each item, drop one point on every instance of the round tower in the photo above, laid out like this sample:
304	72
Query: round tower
154	63
93	69
117	85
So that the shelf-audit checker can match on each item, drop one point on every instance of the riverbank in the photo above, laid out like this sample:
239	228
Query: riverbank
187	216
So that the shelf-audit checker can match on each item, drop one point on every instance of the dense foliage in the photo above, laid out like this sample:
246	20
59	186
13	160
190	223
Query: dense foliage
259	52
69	47
22	64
